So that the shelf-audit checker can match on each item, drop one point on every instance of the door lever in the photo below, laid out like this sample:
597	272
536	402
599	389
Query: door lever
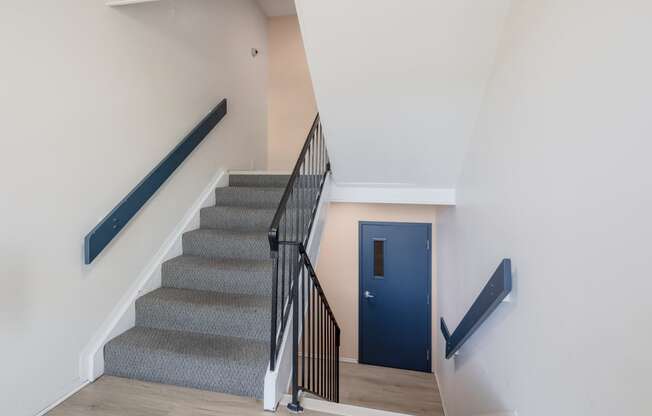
368	295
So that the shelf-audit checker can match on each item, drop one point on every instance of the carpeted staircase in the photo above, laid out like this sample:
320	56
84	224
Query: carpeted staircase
208	326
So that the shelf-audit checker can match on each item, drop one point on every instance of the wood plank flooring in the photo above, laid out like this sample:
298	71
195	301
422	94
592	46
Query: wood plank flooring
113	396
391	389
401	391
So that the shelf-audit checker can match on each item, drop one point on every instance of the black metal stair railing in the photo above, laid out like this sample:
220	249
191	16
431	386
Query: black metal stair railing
292	225
315	338
288	236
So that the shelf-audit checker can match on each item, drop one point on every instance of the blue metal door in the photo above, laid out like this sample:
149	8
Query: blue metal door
395	287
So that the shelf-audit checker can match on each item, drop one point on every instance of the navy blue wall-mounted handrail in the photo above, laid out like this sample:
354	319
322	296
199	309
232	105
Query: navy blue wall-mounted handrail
493	293
116	220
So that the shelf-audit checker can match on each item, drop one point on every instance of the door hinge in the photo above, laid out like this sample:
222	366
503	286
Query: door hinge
427	355
427	244
427	299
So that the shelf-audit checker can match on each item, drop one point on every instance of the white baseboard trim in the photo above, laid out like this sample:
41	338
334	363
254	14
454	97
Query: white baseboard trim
123	315
441	396
74	389
341	409
392	195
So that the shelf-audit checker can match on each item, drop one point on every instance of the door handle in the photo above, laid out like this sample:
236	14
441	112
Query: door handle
368	295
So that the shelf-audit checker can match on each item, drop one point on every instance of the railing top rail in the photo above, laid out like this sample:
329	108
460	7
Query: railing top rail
315	281
278	215
496	289
111	225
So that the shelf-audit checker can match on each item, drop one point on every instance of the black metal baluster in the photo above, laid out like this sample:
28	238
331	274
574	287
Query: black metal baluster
295	406
282	248
312	343
323	346
306	332
272	355
330	362
303	328
337	366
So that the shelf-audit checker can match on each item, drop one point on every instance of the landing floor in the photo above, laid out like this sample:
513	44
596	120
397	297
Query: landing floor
382	388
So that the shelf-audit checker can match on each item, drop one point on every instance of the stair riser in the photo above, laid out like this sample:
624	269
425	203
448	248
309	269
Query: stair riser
236	218
225	246
258	282
248	197
272	181
205	319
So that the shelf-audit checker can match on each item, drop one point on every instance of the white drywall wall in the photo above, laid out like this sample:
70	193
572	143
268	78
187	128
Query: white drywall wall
91	98
399	84
557	178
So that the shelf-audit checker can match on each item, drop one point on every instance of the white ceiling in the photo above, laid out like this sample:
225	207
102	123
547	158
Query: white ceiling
399	84
278	7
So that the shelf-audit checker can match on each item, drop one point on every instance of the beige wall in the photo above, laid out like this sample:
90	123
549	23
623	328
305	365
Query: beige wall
291	101
92	97
337	267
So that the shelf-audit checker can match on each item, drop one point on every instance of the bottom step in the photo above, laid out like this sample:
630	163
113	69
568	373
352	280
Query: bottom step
223	364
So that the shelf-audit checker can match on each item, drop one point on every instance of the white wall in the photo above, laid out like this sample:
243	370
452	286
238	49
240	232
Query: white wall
399	84
91	98
558	178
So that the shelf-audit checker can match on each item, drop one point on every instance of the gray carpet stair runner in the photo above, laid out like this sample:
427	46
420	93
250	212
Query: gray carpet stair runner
207	327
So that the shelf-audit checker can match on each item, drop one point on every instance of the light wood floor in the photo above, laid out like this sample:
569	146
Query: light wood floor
381	388
401	391
112	396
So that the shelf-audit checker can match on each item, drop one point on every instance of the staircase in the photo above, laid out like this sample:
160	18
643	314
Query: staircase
208	326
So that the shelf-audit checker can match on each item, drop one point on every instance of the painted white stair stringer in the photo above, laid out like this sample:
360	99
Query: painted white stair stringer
277	382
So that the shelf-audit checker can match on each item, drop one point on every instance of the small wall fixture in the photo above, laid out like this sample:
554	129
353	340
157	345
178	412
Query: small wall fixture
254	52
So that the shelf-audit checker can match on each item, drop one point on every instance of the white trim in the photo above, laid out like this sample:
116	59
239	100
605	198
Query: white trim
78	386
341	409
122	317
392	195
441	396
112	3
